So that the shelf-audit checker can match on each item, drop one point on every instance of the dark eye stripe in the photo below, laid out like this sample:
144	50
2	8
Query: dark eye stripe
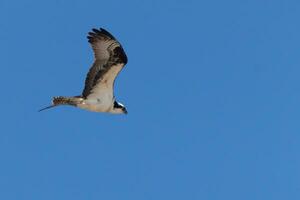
116	105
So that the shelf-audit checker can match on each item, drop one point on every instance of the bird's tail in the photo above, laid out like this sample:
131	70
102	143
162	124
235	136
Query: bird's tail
60	100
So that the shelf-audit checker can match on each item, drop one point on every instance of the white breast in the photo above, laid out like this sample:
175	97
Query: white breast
101	98
100	104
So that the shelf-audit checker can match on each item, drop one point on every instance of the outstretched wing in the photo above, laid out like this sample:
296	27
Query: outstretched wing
110	58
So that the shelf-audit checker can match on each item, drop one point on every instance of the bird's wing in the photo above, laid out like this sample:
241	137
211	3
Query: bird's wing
110	58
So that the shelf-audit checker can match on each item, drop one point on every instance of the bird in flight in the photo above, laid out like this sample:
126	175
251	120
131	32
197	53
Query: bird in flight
98	92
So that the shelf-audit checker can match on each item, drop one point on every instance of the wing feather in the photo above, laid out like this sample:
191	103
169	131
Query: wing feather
110	58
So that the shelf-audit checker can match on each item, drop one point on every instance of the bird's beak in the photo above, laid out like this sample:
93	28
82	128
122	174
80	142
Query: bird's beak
125	111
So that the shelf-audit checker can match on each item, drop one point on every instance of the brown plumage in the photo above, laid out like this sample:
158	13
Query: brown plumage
98	94
113	55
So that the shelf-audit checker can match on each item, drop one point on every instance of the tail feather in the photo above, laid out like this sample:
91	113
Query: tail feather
63	101
60	100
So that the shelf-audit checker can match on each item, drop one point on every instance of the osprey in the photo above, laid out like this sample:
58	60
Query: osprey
98	93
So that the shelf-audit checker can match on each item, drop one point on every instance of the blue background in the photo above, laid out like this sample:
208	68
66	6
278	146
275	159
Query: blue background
212	90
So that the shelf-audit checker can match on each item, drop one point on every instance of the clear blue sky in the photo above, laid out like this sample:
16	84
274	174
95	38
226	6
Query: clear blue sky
212	89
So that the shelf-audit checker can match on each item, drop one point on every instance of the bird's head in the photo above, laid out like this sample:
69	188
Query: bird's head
119	108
